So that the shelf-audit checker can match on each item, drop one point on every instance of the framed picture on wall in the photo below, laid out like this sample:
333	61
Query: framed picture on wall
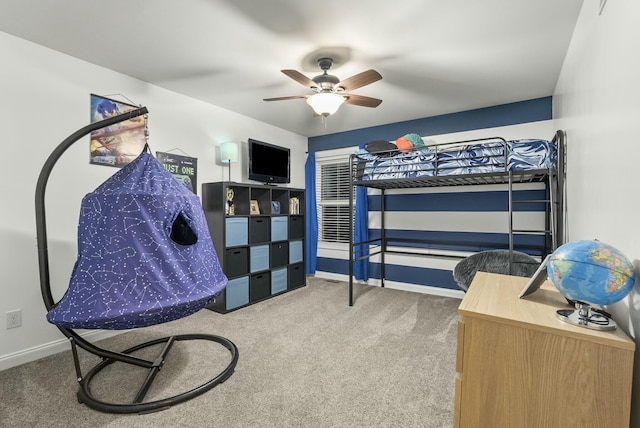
183	168
118	144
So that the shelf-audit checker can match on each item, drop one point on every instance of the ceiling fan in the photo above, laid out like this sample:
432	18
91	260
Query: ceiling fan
329	91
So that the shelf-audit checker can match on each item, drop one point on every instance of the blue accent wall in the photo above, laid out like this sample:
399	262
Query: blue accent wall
397	273
534	110
415	275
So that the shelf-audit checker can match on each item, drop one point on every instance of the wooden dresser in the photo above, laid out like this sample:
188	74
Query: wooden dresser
519	366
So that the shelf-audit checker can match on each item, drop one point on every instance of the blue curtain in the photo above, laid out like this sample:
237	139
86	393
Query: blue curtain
361	233
311	243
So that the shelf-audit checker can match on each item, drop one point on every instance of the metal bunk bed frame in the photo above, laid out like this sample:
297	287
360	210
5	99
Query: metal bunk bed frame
554	179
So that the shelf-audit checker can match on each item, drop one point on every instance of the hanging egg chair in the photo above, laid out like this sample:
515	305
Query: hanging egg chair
145	257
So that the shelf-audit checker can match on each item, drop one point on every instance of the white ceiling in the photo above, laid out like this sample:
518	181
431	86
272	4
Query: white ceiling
435	56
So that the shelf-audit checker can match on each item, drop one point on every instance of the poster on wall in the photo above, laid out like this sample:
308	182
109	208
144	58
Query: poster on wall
118	144
183	168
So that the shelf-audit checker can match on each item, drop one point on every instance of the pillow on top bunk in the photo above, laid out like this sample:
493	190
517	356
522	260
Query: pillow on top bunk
404	145
409	142
416	140
386	148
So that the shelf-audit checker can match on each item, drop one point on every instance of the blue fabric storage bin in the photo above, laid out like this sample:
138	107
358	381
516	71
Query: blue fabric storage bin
259	258
278	280
295	251
237	231
237	292
279	228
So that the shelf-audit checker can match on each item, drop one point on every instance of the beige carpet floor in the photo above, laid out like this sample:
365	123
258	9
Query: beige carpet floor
306	359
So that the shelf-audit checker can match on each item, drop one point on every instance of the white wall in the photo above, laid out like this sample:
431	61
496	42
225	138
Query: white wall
45	98
597	102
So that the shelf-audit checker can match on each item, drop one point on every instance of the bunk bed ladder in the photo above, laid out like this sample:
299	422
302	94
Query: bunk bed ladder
550	230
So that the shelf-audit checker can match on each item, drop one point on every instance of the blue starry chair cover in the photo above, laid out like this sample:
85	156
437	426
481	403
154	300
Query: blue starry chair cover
145	255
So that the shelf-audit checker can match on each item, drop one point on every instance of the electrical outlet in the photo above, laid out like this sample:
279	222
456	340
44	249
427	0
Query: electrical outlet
14	319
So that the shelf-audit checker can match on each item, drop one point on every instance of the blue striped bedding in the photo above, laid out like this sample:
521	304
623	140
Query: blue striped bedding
443	160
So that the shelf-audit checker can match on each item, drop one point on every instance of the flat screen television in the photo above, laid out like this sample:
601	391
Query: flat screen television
268	163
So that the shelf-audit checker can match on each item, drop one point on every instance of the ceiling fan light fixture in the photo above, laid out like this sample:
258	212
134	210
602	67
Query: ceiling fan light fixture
325	103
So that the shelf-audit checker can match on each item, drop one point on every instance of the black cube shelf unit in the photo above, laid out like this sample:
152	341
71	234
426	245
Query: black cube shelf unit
260	250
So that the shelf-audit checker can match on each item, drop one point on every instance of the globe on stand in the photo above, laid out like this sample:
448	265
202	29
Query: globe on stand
590	272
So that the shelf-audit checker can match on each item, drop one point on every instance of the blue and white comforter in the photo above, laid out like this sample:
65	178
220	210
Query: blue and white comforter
469	159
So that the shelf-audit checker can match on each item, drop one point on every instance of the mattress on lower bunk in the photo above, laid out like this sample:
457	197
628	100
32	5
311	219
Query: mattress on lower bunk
474	158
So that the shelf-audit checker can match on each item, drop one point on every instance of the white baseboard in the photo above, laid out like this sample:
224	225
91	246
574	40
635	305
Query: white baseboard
424	289
44	350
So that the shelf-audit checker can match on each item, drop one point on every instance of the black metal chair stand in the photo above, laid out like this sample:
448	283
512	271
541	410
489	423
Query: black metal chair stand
85	395
138	405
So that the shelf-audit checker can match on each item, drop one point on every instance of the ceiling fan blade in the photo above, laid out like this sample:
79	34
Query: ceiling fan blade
284	98
360	80
300	78
360	100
